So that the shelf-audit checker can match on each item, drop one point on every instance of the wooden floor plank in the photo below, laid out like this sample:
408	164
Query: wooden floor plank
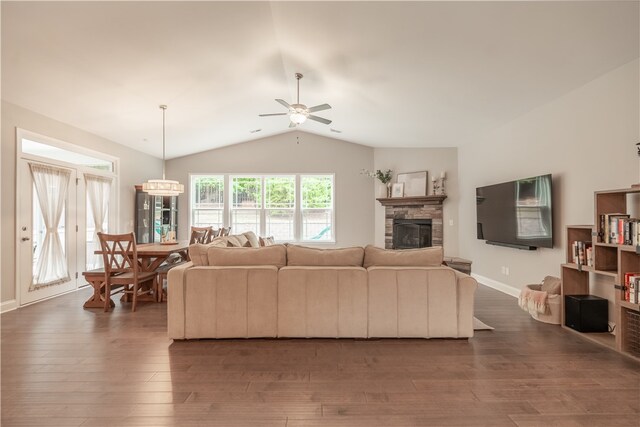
90	368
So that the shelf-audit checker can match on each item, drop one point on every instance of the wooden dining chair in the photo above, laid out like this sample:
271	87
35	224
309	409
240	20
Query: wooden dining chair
121	268
201	235
225	231
214	234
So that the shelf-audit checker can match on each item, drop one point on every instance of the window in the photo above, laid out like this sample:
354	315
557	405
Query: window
317	207
280	204
246	204
287	207
207	195
57	153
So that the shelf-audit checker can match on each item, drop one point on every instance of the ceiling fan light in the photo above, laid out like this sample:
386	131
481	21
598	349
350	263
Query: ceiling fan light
298	118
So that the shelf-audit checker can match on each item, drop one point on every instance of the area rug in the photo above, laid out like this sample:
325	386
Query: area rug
481	326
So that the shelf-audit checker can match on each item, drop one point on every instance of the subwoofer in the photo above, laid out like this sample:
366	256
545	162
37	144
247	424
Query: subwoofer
586	313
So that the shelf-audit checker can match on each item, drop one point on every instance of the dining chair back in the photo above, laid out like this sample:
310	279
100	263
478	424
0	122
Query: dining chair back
121	267
200	235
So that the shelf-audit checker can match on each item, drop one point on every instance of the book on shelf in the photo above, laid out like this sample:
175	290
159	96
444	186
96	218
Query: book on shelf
619	229
634	290
631	287
582	253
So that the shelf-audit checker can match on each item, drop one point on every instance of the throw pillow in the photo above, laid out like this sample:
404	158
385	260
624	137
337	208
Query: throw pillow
236	240
551	285
253	240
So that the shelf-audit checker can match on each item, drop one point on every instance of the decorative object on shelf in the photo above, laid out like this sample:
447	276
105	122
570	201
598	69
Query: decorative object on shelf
383	176
415	183
167	235
438	184
397	190
163	187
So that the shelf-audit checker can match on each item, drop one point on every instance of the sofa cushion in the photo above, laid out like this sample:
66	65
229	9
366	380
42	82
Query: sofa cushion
423	257
344	257
275	255
551	285
252	239
198	251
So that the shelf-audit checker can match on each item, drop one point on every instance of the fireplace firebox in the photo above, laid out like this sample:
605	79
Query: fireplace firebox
411	233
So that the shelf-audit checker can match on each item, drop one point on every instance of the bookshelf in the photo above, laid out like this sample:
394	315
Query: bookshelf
610	260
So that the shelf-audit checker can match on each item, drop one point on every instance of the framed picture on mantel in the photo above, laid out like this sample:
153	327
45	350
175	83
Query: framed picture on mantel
397	190
415	183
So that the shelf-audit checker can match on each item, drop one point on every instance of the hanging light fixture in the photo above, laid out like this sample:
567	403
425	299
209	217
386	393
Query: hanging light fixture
163	187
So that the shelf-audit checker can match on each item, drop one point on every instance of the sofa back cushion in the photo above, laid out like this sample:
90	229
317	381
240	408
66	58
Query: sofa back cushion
344	257
198	251
275	255
423	257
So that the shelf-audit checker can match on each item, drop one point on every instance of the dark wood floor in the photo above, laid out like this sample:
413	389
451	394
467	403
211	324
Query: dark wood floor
66	366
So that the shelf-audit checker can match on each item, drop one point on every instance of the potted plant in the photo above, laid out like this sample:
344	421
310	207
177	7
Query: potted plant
383	176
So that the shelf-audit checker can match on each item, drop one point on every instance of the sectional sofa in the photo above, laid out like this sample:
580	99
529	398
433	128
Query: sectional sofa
294	291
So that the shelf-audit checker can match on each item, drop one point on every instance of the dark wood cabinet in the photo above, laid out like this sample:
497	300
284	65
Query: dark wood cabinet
153	215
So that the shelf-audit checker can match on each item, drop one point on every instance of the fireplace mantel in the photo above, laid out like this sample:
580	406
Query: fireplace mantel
412	201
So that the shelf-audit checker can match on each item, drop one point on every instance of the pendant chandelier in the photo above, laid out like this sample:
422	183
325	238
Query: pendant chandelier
163	187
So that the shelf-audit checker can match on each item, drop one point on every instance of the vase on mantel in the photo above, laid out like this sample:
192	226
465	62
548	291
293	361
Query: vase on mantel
388	190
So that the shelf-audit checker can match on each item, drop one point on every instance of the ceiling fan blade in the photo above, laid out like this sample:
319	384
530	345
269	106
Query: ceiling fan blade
273	114
319	108
319	119
283	102
292	125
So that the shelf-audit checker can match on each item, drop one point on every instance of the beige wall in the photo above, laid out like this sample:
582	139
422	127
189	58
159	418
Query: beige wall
135	167
586	139
433	160
283	154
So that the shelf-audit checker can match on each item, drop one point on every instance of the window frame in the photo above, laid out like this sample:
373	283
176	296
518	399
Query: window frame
194	176
296	203
333	208
297	211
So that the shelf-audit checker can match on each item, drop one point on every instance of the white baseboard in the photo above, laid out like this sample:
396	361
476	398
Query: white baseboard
498	286
8	306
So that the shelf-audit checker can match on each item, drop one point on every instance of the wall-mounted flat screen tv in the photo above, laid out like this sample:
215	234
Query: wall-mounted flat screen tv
516	213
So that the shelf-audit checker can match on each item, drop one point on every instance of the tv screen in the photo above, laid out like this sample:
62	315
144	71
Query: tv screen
516	213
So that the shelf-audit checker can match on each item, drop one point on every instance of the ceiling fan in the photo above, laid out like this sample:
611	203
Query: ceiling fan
299	113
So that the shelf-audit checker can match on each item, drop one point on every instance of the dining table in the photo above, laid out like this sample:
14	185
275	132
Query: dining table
150	257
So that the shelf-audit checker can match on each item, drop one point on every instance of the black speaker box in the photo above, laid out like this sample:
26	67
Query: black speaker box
586	313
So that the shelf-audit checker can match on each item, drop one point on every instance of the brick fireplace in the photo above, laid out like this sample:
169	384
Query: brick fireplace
414	217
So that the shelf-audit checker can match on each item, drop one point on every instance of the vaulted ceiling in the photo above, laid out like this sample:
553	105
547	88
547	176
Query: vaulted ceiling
405	74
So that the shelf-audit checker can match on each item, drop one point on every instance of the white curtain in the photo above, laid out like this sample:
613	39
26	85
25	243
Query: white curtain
51	185
98	194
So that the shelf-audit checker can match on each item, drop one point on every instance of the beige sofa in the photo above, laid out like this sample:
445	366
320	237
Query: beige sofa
294	291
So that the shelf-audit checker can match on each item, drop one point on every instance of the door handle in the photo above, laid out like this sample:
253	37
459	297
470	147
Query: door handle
24	239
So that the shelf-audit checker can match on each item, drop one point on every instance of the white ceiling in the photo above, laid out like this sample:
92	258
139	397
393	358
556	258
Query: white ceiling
397	74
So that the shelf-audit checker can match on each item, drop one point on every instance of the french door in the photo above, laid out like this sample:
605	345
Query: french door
48	238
